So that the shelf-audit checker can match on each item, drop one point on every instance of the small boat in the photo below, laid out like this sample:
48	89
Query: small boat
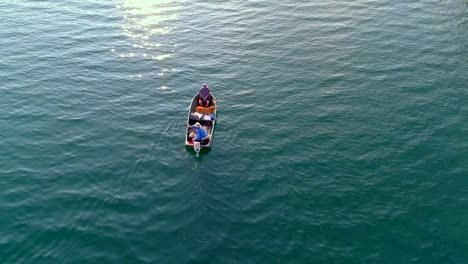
206	117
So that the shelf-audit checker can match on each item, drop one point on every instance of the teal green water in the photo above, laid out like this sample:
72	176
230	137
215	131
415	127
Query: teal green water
342	134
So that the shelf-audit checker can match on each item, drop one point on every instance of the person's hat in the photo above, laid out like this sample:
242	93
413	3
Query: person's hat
197	124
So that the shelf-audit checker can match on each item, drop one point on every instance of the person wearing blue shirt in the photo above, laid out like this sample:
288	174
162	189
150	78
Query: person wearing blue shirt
201	133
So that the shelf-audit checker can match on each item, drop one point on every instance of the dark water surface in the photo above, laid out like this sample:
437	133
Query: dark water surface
342	133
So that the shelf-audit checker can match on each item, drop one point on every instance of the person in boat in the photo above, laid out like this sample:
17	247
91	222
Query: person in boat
204	98
201	133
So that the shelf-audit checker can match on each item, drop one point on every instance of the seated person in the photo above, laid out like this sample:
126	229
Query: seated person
204	96
201	133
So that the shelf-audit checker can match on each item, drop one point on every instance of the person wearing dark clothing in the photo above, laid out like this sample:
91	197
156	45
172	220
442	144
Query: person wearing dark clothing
204	98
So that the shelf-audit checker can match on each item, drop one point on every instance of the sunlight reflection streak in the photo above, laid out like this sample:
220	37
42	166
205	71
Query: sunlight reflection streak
147	25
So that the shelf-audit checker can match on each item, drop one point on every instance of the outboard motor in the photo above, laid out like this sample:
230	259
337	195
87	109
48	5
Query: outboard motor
196	147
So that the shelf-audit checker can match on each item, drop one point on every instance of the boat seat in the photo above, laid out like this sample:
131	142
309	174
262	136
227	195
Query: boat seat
205	140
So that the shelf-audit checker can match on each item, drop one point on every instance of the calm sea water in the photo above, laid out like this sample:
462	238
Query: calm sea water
342	134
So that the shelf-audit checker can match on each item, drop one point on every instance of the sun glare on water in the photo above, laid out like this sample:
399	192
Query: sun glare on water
148	25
